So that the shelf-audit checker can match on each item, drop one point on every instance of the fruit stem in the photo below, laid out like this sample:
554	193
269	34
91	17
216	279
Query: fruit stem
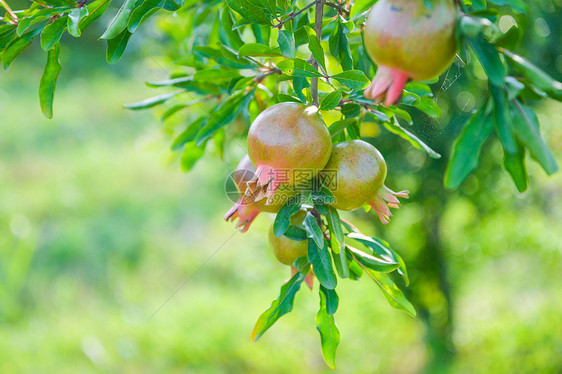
318	16
9	11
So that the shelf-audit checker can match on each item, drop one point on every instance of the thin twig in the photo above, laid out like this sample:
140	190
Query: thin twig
339	8
294	14
318	17
262	76
9	10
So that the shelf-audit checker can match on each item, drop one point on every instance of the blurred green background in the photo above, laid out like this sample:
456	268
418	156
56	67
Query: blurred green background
98	228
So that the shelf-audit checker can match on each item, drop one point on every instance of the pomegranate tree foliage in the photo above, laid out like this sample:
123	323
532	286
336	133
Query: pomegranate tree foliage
242	56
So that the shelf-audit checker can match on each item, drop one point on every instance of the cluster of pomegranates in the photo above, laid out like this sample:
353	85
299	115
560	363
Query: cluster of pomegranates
289	144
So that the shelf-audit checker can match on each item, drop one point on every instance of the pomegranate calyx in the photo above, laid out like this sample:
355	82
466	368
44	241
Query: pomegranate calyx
246	214
387	85
386	199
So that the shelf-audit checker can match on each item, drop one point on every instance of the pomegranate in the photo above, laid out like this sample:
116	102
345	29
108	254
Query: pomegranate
408	41
289	143
360	172
246	209
287	250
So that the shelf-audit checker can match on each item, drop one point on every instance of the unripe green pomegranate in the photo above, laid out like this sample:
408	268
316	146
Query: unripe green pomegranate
289	143
408	41
287	250
246	209
361	171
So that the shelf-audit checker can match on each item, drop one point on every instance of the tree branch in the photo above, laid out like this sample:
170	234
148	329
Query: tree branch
339	8
318	16
293	15
9	10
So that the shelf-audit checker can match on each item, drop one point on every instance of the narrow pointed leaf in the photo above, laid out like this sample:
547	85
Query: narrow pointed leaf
116	46
331	100
354	79
393	294
286	43
322	265
119	22
298	68
280	306
74	18
52	33
283	218
329	333
466	149
526	127
153	101
49	81
314	231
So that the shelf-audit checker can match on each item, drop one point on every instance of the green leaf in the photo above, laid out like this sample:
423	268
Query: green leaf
258	50
322	265
298	68
296	233
514	163
315	48
337	242
42	15
249	11
383	250
283	218
116	46
331	300
331	100
390	290
360	6
148	8
52	33
339	46
502	120
354	79
191	154
280	306
517	6
526	127
60	3
535	75
188	134
95	11
286	43
215	74
490	59
466	149
49	81
314	231
153	101
6	34
337	127
119	22
329	333
14	49
372	262
74	18
233	35
351	110
395	128
224	114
